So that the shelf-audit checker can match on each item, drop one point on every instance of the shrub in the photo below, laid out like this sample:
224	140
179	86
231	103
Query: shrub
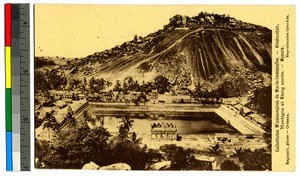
229	165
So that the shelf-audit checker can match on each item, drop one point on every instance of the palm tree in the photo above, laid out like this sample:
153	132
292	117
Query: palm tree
237	152
125	127
70	119
216	149
50	123
127	122
85	116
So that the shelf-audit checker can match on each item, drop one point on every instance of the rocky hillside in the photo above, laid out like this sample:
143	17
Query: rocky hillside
206	49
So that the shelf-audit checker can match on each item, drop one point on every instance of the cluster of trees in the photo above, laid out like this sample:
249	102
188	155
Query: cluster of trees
252	160
50	122
81	144
42	62
183	159
160	83
228	88
49	80
229	165
262	101
97	85
76	84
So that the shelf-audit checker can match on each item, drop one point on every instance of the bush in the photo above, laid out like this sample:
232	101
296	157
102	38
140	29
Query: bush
257	160
183	159
229	165
262	101
79	145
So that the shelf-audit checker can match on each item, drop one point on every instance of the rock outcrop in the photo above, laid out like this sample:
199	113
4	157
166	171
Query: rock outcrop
164	165
116	166
204	49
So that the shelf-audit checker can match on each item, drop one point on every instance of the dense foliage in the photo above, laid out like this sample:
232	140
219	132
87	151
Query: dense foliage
262	100
42	62
183	159
79	145
255	160
229	165
160	83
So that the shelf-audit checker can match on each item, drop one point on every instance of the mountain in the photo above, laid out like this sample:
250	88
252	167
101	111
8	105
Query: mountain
206	49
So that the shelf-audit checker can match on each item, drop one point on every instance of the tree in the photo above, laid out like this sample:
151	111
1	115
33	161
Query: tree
129	84
91	85
84	85
257	160
229	165
124	128
50	123
37	121
101	83
40	62
162	84
108	83
72	149
118	86
73	83
128	149
70	119
215	149
56	80
42	148
182	159
127	122
262	101
96	145
85	116
43	85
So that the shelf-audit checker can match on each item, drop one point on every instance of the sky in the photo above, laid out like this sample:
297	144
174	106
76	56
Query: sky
81	30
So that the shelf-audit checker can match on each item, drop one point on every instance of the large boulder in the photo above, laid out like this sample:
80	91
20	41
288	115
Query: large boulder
116	166
165	165
90	166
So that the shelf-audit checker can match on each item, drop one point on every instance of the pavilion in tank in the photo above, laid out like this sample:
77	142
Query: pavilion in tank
163	131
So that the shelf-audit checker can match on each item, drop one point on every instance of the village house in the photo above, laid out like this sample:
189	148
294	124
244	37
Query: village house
163	131
103	96
67	94
171	99
152	97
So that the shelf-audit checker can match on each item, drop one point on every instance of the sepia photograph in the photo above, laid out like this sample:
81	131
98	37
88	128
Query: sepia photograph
128	87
